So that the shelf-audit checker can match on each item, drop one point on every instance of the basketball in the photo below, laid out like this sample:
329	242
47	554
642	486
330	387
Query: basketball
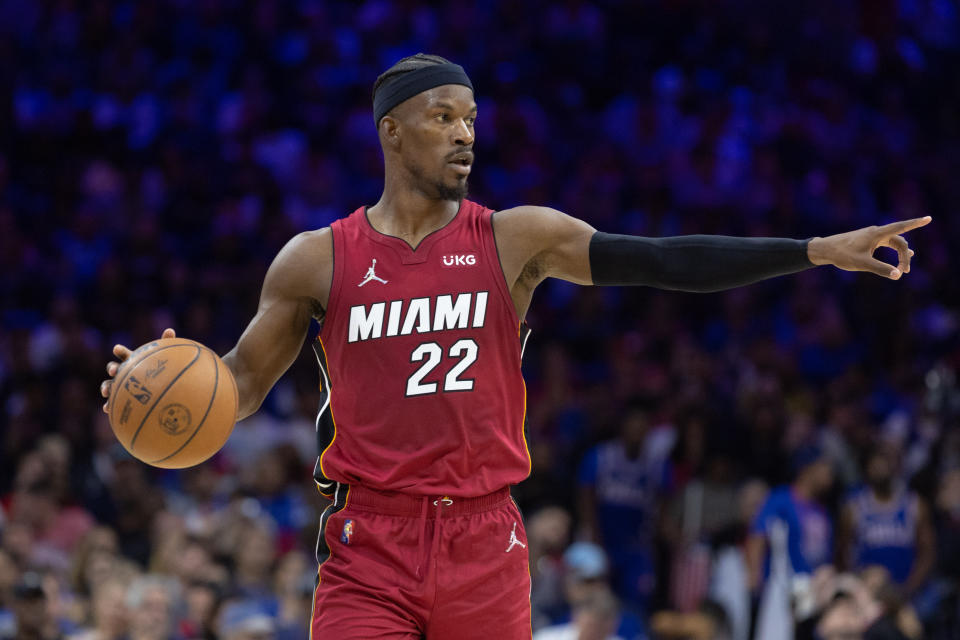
173	403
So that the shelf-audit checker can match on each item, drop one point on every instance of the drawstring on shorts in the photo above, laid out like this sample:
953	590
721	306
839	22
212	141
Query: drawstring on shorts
424	506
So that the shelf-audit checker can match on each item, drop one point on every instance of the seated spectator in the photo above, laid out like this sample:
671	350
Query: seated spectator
294	582
108	612
245	620
708	622
55	528
152	600
94	558
548	533
842	620
9	574
594	618
201	601
32	614
587	573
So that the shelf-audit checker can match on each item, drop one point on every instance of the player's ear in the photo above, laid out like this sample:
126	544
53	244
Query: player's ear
390	131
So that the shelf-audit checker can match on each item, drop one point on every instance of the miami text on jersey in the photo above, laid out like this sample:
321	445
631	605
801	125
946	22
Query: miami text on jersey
422	315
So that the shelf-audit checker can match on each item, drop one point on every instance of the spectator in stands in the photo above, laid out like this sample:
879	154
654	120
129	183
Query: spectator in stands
618	499
294	582
887	525
708	622
108	611
244	620
548	534
32	619
798	506
152	601
9	574
587	573
594	618
94	559
201	602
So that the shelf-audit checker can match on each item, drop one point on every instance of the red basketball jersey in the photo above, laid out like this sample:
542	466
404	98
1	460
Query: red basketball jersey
420	362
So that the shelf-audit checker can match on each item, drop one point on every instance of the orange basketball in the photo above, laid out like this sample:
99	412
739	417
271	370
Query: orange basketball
173	403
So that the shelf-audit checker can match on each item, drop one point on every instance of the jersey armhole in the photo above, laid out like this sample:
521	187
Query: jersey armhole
336	281
492	253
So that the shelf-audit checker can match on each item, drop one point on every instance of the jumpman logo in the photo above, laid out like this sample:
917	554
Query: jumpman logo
371	275
514	540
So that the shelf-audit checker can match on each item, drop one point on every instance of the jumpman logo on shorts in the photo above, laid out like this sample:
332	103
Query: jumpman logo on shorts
514	540
371	275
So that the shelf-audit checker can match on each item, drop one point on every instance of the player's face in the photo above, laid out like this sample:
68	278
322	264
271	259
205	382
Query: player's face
437	140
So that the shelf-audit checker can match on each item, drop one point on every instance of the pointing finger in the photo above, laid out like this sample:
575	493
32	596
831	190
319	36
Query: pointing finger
897	228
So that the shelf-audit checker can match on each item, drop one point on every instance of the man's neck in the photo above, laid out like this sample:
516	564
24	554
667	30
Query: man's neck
409	214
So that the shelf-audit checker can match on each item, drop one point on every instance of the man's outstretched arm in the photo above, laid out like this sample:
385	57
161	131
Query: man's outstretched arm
552	244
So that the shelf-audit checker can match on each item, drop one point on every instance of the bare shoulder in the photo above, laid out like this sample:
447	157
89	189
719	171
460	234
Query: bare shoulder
537	242
304	267
536	220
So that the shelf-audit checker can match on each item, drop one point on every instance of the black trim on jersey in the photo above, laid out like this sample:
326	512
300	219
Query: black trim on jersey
413	249
339	502
524	335
325	427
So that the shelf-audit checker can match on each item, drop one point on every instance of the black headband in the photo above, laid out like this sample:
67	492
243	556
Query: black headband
405	86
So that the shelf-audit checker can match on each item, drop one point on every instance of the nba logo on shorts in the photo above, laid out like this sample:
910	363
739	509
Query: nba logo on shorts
347	532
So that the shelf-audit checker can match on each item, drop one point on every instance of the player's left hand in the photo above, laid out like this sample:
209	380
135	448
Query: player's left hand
853	250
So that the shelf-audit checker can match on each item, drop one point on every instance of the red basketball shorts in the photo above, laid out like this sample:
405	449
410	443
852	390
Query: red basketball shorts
403	567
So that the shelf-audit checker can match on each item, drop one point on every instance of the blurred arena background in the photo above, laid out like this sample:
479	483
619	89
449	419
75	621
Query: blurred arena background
155	155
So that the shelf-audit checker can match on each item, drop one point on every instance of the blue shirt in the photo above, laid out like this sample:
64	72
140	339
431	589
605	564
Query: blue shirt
809	531
885	534
626	495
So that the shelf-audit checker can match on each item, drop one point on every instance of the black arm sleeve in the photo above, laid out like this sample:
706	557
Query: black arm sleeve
693	263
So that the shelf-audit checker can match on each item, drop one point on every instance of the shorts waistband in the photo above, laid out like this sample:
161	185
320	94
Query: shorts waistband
407	504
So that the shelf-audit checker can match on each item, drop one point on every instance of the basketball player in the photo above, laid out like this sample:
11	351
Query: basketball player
422	298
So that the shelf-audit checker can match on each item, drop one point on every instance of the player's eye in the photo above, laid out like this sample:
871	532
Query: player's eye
442	117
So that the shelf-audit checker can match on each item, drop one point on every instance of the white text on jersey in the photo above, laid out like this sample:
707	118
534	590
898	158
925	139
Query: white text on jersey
460	260
422	315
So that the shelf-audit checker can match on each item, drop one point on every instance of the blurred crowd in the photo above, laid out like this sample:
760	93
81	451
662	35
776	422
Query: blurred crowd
777	461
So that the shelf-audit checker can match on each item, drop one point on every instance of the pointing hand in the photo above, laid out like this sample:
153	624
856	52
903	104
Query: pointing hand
853	251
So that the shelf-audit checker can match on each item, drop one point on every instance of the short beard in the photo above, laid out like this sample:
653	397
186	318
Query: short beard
456	193
438	189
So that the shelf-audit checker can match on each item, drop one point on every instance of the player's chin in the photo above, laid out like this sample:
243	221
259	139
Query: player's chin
455	190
